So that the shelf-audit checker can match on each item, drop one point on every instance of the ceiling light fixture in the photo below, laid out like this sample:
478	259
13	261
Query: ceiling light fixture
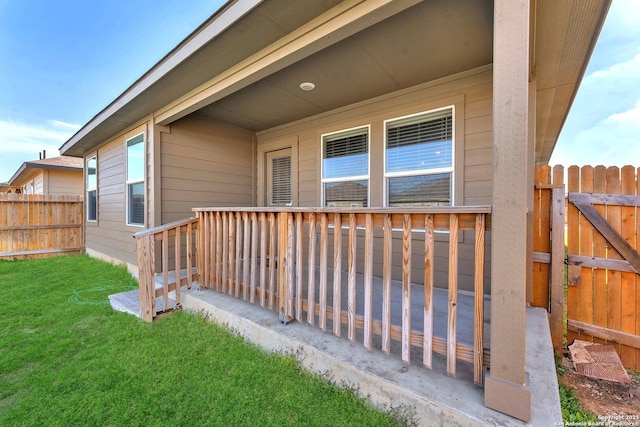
307	86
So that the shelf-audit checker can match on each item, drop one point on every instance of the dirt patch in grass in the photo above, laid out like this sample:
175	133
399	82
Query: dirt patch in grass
604	398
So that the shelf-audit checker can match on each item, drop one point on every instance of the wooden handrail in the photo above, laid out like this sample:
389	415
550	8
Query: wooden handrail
146	245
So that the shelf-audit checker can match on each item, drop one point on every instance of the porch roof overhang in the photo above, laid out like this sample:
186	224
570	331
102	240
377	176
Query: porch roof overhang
245	64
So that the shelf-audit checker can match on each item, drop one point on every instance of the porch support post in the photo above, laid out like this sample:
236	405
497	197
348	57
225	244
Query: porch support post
506	386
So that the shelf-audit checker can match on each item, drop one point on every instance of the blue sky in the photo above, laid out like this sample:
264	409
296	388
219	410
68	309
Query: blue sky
62	62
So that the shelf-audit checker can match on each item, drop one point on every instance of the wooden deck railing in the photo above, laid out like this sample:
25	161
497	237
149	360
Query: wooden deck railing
279	258
177	244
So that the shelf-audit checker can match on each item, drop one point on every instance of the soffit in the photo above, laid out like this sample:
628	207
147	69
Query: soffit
565	35
430	40
248	34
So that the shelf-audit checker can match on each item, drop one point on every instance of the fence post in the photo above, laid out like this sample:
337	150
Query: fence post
557	267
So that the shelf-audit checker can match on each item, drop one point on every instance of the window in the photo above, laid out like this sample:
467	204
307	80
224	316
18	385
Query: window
92	189
345	168
279	178
419	159
135	180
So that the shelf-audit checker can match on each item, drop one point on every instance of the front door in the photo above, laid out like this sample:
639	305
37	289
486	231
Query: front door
278	178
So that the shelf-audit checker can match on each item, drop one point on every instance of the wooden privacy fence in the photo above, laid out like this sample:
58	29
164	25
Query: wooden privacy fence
37	226
603	284
301	263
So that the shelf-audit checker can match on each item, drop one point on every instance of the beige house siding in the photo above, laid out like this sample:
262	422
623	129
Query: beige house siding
38	183
110	235
64	182
470	93
205	163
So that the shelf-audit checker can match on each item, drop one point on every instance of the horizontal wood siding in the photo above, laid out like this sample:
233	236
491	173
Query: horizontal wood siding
65	182
38	183
110	235
204	163
472	95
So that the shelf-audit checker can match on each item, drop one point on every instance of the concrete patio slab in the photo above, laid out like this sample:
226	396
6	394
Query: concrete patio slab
432	397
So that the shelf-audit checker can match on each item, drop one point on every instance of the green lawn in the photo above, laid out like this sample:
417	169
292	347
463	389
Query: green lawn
67	359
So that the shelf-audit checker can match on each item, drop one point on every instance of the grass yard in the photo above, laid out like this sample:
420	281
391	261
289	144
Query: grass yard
67	359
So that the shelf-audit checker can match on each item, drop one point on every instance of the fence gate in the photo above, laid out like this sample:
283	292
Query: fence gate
602	242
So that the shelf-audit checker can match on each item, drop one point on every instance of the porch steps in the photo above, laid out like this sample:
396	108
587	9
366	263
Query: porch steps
129	302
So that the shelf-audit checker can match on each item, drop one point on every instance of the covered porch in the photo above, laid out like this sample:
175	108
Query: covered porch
259	270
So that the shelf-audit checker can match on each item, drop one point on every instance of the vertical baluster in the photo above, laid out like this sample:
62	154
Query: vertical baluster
406	287
273	258
232	253
165	269
386	285
263	258
453	294
429	259
337	273
299	266
478	339
324	244
212	252
351	297
311	296
178	260
368	281
189	243
254	256
218	261
225	252
246	256
238	254
205	239
290	266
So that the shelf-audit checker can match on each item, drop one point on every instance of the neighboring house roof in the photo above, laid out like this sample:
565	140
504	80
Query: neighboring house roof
30	168
244	64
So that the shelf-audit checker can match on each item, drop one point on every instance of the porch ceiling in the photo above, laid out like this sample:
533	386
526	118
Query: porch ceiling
396	45
430	40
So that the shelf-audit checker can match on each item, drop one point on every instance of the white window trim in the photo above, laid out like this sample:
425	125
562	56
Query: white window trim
421	172
87	189
349	178
127	182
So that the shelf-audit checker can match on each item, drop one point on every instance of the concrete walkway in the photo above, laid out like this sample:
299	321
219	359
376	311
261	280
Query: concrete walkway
432	397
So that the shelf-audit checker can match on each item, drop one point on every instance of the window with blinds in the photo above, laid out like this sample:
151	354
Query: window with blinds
345	168
419	159
281	181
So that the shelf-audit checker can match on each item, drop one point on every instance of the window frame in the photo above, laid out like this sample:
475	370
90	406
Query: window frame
94	157
366	177
129	183
451	170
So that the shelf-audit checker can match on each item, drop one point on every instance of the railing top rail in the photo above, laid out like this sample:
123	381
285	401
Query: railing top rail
426	210
163	227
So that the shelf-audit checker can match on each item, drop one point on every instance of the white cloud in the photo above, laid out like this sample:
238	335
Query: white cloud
18	137
58	123
624	69
21	142
612	141
630	117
